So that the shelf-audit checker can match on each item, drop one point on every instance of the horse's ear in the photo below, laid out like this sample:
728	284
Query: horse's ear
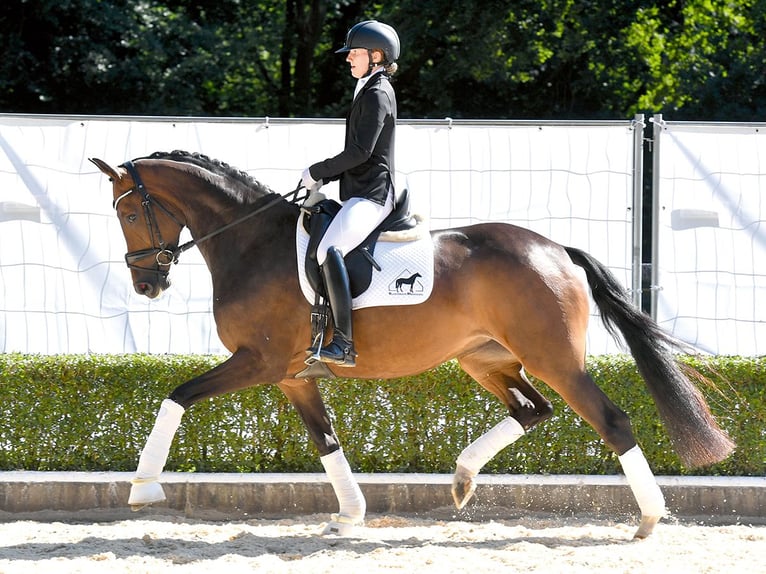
107	169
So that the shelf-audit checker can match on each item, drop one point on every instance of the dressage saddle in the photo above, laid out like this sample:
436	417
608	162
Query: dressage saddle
361	260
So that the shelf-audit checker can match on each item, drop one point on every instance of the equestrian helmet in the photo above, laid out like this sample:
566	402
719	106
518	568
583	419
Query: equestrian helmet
373	35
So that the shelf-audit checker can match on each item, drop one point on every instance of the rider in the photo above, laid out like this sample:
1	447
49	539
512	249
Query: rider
365	169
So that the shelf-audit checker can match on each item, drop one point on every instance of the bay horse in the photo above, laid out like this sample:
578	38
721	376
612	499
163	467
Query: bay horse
506	301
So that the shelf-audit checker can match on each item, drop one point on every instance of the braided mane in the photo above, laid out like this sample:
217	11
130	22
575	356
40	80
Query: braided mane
243	187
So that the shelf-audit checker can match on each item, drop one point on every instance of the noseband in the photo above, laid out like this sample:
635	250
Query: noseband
165	255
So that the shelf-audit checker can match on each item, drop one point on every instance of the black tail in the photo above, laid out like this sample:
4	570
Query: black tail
695	435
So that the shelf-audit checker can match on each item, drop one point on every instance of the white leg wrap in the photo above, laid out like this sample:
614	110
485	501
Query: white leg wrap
146	489
481	451
642	482
350	497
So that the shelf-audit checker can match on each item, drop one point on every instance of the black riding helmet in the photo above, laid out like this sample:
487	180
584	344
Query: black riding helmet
373	35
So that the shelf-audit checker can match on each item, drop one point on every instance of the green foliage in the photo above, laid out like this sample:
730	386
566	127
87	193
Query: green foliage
76	412
701	59
543	59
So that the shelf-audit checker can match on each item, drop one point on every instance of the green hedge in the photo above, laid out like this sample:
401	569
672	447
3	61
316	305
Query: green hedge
76	412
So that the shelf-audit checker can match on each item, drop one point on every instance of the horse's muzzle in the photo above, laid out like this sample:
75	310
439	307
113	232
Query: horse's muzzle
151	289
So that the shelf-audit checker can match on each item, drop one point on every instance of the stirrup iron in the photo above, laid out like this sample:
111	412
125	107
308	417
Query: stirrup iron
314	349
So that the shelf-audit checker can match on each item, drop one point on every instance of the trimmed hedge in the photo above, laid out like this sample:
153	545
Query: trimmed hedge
94	412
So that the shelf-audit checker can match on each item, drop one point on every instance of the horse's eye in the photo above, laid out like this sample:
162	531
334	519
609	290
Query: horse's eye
131	218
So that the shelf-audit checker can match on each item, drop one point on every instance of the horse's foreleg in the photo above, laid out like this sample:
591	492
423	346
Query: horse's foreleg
351	503
230	375
305	397
145	487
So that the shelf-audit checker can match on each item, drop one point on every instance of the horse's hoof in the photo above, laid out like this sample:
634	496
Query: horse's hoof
463	487
143	494
645	528
341	526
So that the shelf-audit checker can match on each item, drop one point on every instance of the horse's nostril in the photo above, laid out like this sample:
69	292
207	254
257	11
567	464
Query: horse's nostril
144	288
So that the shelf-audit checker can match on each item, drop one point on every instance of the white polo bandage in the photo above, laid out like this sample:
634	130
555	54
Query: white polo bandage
484	448
155	453
350	497
642	482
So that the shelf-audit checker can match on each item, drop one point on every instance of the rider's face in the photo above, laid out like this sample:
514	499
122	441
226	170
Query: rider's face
359	59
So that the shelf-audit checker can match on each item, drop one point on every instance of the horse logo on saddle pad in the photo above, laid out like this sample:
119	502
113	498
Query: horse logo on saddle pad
392	267
411	281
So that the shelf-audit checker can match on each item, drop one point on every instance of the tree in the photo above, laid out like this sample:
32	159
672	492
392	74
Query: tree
543	59
580	59
707	59
88	56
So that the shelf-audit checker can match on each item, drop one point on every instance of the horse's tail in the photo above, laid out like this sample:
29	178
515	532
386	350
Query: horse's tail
695	435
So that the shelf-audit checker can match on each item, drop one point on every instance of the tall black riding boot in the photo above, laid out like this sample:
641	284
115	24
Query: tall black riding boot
340	351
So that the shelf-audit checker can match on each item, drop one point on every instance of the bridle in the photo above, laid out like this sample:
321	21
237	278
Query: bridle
165	254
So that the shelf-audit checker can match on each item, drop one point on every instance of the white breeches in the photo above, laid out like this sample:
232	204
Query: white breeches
355	221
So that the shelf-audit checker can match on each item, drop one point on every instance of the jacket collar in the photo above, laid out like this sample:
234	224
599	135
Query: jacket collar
362	82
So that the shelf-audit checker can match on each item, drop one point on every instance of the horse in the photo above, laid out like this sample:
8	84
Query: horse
506	302
407	281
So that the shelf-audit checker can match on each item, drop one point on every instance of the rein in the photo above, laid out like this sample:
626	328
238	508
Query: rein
162	254
189	244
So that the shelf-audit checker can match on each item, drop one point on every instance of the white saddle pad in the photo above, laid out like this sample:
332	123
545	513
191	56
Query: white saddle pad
406	276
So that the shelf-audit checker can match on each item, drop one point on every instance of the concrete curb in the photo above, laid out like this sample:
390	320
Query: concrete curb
102	496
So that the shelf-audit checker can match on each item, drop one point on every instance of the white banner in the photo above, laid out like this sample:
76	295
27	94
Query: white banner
64	287
711	251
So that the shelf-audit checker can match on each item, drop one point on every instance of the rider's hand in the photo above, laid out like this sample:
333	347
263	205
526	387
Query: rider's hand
309	182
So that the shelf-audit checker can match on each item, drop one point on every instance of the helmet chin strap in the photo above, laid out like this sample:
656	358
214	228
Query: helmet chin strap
372	65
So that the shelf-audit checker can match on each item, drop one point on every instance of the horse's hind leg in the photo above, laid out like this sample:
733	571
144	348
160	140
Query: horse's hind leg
613	425
493	367
305	397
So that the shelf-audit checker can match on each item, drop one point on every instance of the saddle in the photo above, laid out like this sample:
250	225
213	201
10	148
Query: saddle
361	261
359	264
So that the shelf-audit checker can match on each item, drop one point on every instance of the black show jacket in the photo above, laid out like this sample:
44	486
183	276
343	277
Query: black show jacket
365	167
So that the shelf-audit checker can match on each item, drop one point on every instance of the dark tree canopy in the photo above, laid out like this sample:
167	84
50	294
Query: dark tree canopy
541	59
